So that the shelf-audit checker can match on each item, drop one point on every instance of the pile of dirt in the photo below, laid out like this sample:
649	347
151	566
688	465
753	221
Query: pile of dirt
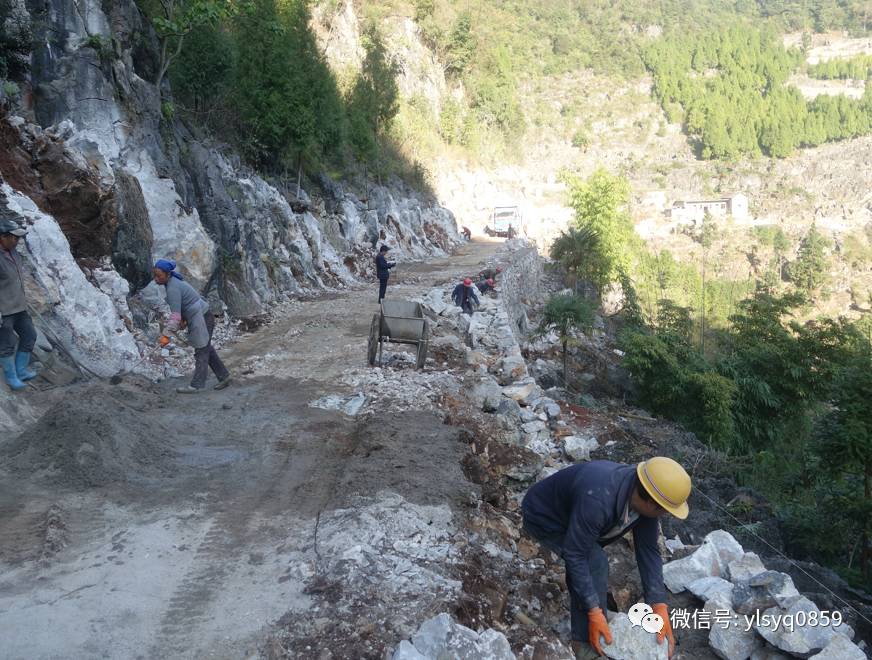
96	438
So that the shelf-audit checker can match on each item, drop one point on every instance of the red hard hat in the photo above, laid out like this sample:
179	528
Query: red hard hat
499	269
490	282
467	282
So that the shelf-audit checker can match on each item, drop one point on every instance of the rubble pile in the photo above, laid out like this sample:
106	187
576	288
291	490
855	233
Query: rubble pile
523	427
753	612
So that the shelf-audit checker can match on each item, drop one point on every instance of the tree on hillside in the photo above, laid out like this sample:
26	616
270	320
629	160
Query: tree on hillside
810	270
461	46
566	314
600	208
173	20
574	249
285	95
845	445
374	100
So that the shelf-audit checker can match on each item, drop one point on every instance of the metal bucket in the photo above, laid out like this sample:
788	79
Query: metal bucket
402	320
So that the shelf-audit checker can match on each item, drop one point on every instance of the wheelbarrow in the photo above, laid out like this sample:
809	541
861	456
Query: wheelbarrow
398	322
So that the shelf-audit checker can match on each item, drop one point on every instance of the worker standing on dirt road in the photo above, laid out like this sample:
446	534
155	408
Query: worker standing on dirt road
186	306
383	271
13	309
582	508
464	296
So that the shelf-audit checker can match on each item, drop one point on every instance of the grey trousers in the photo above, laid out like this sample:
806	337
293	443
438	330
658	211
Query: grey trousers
599	571
206	358
17	324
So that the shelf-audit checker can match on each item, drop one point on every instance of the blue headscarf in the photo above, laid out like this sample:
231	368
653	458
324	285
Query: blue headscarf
168	266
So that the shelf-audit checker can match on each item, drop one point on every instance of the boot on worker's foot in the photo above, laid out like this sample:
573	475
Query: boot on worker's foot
11	375
224	382
189	389
22	359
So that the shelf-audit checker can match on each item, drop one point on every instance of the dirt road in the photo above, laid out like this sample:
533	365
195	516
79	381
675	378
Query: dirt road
135	523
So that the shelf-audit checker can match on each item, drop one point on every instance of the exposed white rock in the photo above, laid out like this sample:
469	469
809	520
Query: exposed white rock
712	558
631	642
730	637
801	640
407	651
75	312
747	566
442	637
522	392
578	447
708	587
178	233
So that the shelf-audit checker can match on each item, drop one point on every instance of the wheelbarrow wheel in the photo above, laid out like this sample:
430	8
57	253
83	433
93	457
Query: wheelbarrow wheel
372	345
423	345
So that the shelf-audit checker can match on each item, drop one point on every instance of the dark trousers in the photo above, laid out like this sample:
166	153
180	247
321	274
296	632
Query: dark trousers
382	288
599	571
206	358
17	324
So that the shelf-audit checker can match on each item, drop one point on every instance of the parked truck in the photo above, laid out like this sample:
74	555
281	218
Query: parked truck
504	221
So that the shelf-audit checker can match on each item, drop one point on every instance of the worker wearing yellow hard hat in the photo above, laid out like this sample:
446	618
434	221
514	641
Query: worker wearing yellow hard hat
582	508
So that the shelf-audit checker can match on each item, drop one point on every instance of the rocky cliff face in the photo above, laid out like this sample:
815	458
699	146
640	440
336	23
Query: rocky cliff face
107	185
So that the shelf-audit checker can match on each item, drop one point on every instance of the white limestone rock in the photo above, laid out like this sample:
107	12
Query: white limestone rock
631	642
578	447
708	587
747	566
522	392
178	232
801	640
442	637
730	639
75	312
711	559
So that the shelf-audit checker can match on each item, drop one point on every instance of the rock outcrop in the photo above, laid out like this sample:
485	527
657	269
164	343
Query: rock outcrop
97	170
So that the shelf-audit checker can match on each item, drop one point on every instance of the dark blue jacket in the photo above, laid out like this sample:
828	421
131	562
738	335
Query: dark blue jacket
583	502
462	294
383	266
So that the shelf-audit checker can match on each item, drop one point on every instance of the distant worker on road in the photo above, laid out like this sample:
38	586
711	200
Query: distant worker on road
490	273
464	296
188	309
582	508
485	285
467	234
383	271
17	327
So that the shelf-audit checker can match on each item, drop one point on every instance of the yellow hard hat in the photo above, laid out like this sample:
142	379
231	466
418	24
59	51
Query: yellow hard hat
666	482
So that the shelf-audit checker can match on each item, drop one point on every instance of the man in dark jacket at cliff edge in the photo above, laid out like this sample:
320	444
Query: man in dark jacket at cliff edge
582	508
382	271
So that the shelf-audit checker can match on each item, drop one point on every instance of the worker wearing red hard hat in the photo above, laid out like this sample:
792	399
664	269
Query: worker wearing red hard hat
464	296
490	273
485	285
582	508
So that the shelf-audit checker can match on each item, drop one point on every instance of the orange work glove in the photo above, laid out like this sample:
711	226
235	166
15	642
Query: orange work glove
164	340
666	631
596	626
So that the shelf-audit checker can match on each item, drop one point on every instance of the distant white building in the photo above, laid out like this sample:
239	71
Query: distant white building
695	210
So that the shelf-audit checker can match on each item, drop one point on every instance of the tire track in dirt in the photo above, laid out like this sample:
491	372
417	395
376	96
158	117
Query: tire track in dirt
299	466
